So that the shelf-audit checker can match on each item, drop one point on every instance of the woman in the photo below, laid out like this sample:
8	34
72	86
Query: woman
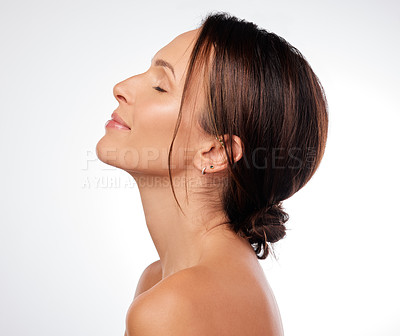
228	122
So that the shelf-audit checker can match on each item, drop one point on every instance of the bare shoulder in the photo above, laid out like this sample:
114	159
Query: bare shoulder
165	309
150	277
202	301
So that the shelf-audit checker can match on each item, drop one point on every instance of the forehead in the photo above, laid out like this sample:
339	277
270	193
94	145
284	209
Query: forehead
177	52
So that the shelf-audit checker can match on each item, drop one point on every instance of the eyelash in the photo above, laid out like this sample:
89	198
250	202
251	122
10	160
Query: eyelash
159	89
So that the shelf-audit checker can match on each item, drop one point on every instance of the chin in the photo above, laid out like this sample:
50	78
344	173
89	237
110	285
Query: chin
106	151
112	153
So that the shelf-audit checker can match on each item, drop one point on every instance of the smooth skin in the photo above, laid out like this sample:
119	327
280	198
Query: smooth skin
208	280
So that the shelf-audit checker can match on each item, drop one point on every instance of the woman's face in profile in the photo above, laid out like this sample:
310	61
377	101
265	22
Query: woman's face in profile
149	104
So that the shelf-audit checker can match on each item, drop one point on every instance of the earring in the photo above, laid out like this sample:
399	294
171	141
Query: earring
222	143
204	170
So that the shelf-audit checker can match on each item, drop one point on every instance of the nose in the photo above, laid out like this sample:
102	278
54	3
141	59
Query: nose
121	93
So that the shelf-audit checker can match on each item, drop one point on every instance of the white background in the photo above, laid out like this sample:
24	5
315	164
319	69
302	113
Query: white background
72	250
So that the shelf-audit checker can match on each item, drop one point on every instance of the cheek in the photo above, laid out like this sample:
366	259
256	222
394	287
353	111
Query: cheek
153	125
155	119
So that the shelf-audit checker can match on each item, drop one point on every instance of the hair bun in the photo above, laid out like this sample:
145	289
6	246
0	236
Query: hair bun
266	225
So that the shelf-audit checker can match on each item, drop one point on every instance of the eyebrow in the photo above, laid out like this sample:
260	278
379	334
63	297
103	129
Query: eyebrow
165	64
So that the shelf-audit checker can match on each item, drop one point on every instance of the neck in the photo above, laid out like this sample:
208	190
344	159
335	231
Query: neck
181	240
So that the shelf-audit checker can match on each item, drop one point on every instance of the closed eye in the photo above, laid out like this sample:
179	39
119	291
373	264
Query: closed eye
159	89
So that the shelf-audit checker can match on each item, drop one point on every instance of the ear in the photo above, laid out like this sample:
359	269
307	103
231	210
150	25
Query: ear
213	154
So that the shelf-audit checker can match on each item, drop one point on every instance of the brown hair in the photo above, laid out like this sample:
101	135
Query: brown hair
261	89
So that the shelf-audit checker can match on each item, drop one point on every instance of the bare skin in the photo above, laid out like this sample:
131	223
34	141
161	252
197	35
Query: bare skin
208	280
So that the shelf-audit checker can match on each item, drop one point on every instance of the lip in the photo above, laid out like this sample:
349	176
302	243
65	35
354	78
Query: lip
117	122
